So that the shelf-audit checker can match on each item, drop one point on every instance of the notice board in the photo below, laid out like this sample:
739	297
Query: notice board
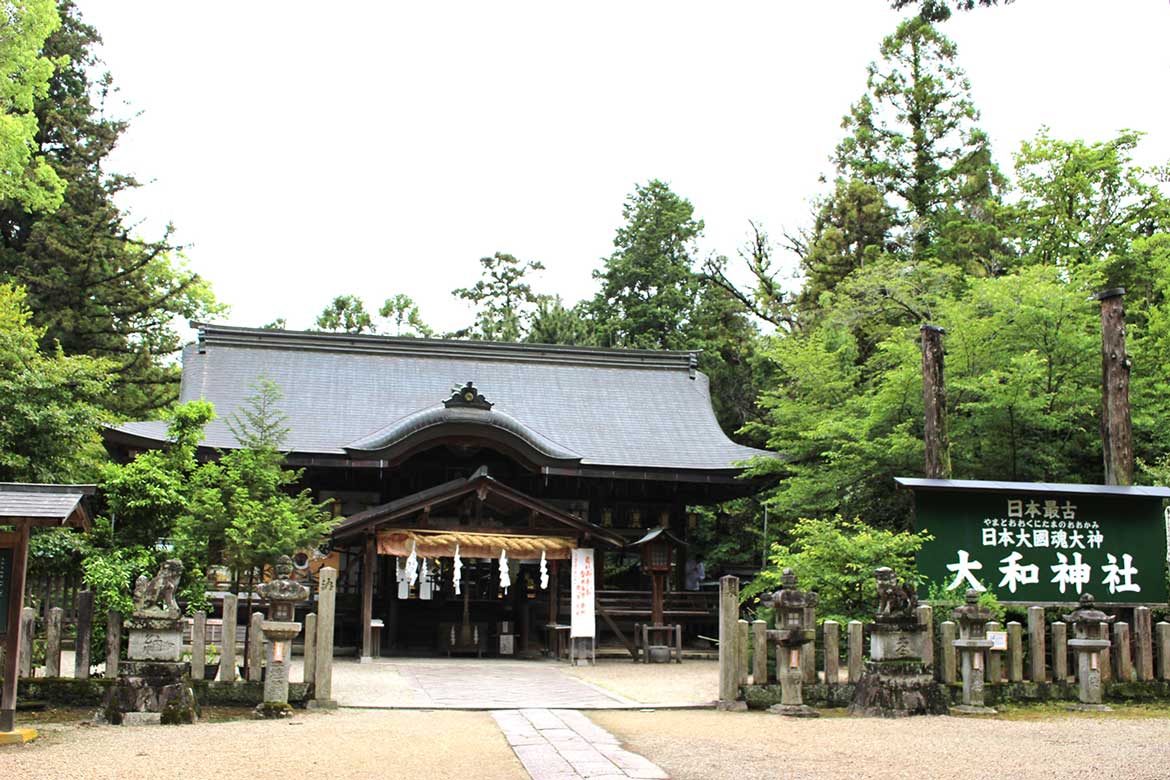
5	586
583	623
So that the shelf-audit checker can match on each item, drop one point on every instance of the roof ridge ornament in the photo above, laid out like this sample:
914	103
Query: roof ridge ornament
467	397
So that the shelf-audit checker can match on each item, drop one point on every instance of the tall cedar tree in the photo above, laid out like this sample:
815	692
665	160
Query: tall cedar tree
503	298
94	287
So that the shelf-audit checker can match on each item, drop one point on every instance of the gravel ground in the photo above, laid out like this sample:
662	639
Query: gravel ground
690	682
707	745
341	745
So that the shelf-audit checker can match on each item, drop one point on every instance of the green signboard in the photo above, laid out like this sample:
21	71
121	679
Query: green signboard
5	586
1039	544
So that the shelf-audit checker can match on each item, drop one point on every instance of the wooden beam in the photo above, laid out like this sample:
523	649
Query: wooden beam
617	631
369	562
12	638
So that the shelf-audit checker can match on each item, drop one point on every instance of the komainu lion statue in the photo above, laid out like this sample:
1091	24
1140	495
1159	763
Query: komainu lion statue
158	593
895	599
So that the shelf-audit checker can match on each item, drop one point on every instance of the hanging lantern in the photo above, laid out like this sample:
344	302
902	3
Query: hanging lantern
412	565
543	572
505	580
457	577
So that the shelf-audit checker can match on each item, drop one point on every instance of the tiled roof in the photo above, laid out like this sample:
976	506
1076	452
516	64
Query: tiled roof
44	502
619	408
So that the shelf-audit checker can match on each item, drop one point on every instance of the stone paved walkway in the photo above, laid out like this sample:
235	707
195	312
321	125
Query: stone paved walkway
466	684
566	745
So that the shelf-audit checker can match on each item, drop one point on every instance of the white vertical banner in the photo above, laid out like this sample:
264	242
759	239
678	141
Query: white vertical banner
583	623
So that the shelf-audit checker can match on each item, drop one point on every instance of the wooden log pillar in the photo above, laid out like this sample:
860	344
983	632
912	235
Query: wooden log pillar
198	645
114	645
728	640
11	670
369	562
1059	652
856	652
948	669
1036	645
1143	643
934	400
28	624
1116	431
759	652
832	651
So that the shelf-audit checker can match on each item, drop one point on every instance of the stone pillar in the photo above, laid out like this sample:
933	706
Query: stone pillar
53	643
1163	632
227	653
326	601
759	652
1122	659
854	641
925	616
84	634
741	651
310	664
947	671
276	680
1015	651
28	623
832	651
1036	650
1106	662
994	659
728	640
113	643
256	651
1143	643
808	652
1059	652
198	645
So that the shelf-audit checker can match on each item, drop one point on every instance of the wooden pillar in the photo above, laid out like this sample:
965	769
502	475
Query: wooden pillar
19	543
934	399
369	562
84	635
657	588
1116	433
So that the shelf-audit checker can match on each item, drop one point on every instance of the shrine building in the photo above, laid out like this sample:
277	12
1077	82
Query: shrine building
442	457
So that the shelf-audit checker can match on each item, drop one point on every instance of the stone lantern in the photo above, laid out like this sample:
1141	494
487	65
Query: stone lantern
790	635
282	594
1088	643
972	644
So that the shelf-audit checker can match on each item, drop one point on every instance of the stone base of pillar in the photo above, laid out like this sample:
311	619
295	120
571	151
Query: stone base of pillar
17	736
327	704
731	706
1081	707
794	710
971	709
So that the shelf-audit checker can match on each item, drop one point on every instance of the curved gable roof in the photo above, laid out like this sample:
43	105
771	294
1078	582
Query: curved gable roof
344	393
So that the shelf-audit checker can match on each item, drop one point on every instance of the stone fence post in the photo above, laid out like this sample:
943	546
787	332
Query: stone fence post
741	651
84	634
832	631
53	643
309	667
925	615
1122	658
28	623
1143	643
994	659
1059	652
808	652
256	648
759	652
728	641
1105	660
1015	651
113	643
947	665
1163	631
227	651
855	650
198	645
326	604
1036	651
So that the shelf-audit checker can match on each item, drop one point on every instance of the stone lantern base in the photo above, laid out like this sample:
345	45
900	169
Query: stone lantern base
896	682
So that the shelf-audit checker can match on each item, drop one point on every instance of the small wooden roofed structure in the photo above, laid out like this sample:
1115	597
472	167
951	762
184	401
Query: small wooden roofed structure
23	506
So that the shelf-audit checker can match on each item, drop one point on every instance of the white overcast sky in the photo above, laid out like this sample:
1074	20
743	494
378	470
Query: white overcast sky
308	150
